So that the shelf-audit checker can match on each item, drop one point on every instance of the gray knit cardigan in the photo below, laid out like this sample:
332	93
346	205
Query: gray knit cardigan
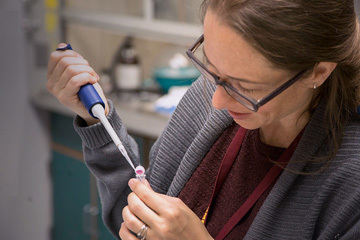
325	205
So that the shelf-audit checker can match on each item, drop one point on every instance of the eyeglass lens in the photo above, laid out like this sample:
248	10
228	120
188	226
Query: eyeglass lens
227	88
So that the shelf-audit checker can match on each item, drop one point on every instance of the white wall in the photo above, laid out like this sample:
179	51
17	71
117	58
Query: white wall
25	195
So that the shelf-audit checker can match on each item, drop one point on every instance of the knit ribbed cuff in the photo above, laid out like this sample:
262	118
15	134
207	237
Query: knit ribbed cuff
96	136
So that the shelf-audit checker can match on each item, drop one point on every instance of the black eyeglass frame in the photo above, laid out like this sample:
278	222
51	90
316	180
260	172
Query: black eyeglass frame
255	104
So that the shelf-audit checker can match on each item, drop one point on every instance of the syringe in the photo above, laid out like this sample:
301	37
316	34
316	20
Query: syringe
96	108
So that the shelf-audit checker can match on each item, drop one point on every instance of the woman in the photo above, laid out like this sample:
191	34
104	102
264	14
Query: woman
283	77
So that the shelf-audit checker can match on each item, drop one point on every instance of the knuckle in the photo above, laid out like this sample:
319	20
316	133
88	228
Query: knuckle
71	70
124	210
146	197
73	81
135	207
49	86
164	229
121	230
131	224
87	75
54	56
130	197
178	201
62	99
173	213
63	62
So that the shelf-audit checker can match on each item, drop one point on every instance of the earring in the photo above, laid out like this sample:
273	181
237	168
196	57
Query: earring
315	86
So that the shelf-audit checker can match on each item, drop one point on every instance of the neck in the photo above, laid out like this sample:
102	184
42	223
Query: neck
283	133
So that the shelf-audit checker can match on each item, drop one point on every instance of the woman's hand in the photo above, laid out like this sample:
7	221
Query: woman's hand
166	217
67	72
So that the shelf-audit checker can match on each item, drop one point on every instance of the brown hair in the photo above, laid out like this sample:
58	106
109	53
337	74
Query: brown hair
298	34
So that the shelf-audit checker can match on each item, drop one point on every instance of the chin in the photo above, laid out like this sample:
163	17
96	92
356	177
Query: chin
247	125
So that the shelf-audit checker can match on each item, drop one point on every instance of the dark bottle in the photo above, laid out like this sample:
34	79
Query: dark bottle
126	67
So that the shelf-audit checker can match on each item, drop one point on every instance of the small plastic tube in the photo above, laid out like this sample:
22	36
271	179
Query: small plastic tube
140	173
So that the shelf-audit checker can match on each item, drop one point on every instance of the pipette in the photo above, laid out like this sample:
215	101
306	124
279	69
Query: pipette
96	108
99	112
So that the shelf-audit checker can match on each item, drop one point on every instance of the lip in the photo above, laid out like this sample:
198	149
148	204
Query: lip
237	115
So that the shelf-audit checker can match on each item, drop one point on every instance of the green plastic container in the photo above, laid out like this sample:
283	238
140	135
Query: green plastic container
167	77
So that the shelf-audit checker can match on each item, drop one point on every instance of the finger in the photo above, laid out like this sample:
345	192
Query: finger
54	77
67	61
63	45
141	211
56	56
125	234
71	89
71	73
134	228
133	223
148	196
147	184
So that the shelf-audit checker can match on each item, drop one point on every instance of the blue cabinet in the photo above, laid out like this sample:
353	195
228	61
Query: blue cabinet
76	204
71	192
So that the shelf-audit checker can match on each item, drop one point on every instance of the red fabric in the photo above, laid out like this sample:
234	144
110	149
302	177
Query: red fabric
250	167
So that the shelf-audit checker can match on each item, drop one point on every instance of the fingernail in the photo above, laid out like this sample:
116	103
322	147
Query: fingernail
62	45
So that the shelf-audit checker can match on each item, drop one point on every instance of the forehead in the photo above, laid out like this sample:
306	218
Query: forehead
226	48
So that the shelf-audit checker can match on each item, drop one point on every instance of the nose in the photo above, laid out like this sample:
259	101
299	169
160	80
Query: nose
221	98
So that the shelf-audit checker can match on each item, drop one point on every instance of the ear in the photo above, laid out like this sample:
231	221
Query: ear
320	73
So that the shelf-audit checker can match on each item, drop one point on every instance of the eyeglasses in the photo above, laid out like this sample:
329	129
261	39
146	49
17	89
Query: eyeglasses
247	101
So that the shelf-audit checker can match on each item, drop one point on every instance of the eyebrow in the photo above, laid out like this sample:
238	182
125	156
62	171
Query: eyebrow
230	77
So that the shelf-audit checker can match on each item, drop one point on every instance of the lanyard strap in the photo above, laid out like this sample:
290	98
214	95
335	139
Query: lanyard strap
273	173
225	166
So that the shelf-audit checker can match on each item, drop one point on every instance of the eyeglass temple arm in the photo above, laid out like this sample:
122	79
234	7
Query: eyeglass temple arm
197	43
281	88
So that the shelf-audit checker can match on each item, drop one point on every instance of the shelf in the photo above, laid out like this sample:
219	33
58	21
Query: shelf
157	30
139	121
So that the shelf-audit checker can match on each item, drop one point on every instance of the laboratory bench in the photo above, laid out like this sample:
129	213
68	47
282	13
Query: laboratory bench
138	116
76	204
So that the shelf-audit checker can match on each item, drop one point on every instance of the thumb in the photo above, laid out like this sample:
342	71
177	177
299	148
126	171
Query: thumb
62	45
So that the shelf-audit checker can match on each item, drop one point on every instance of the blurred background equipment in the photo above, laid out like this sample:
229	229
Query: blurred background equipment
126	67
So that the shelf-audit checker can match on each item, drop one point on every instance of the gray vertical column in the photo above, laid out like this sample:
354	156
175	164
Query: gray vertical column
24	181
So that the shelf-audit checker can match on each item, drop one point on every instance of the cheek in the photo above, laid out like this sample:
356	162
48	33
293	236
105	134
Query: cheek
286	103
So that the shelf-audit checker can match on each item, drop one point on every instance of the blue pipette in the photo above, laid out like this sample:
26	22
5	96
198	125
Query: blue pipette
96	108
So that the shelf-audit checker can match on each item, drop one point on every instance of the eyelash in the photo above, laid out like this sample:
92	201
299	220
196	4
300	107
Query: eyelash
238	86
238	83
241	88
247	90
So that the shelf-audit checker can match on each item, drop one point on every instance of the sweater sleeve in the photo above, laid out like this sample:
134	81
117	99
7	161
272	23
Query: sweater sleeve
110	168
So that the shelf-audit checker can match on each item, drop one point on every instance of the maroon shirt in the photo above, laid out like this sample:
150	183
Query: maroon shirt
249	168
